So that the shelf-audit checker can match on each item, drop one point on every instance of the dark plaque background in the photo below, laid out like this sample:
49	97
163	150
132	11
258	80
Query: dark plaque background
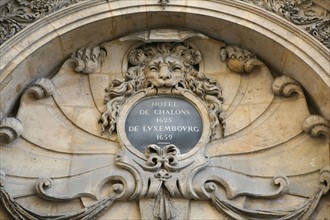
163	120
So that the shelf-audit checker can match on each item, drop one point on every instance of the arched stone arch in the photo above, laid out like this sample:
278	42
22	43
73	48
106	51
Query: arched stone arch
279	43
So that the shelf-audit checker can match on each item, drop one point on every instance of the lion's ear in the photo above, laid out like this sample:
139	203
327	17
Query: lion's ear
136	57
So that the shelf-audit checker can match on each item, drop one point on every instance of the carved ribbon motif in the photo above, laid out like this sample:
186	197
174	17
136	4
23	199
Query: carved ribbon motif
162	158
10	129
161	162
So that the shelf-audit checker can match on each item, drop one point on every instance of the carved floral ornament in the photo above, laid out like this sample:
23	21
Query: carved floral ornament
225	165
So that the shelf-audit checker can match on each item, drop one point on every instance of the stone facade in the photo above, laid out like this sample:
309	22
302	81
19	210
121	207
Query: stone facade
96	114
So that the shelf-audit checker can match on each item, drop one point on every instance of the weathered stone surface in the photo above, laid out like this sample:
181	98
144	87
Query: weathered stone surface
263	148
252	119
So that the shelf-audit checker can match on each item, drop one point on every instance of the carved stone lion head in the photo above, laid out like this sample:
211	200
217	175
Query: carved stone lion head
164	64
169	68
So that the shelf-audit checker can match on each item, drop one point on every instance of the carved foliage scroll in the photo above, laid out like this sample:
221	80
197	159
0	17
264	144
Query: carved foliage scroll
306	14
17	14
10	129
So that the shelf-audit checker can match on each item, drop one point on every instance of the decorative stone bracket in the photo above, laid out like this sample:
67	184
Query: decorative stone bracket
88	59
239	60
10	129
42	88
286	86
316	126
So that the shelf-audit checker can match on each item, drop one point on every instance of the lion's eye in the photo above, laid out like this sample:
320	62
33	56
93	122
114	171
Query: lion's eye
176	68
153	68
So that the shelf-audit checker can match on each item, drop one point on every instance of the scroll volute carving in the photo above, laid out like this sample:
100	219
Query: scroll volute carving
10	129
41	88
286	86
317	126
325	178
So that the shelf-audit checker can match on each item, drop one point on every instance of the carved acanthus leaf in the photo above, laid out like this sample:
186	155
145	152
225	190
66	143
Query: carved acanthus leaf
8	28
42	88
88	60
321	31
316	126
18	14
10	129
239	60
304	13
286	86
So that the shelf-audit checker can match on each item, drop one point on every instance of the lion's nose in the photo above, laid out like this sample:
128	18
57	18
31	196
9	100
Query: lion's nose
164	73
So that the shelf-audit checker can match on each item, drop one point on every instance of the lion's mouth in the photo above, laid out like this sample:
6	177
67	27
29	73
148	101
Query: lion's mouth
164	83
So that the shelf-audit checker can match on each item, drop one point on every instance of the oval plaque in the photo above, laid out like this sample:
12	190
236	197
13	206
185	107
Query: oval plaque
163	121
